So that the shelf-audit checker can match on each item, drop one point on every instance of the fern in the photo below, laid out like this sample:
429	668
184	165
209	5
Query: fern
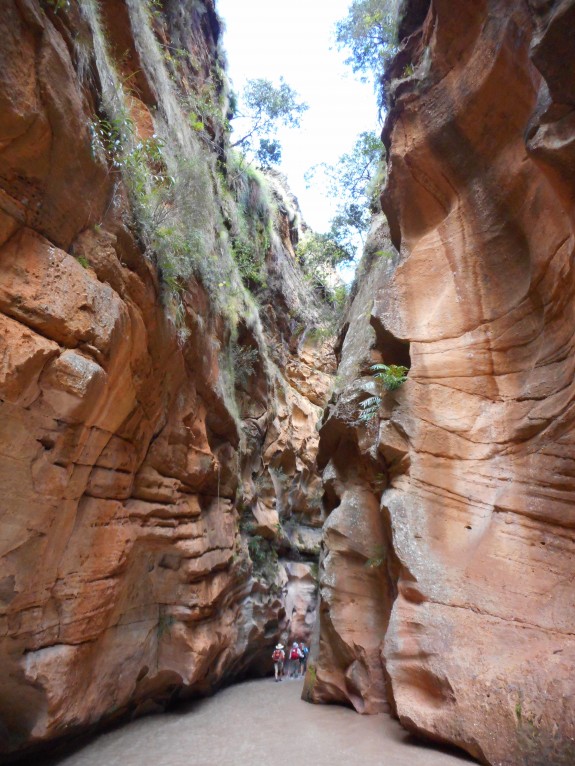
369	407
392	376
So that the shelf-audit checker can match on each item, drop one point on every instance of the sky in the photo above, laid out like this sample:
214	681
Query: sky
296	40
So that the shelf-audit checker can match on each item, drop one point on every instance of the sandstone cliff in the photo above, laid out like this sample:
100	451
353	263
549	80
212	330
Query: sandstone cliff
159	511
460	493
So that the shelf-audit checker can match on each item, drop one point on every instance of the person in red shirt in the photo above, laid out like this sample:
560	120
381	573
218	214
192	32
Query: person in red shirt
294	656
278	658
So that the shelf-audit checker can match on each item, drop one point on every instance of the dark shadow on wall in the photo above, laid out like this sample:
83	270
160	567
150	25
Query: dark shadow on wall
393	350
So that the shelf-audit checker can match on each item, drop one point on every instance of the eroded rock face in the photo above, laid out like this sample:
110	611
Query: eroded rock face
130	466
356	575
476	448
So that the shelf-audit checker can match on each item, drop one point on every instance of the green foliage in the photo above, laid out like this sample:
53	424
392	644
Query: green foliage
317	335
264	558
154	7
252	215
263	107
170	177
339	296
58	5
355	180
269	152
319	255
207	105
248	262
408	70
157	198
369	33
258	550
392	376
370	407
389	378
83	261
117	138
173	210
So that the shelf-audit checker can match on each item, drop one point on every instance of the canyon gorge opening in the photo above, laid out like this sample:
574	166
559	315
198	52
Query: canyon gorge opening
208	448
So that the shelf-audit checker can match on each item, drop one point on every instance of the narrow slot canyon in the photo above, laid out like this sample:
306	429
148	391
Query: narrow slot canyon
225	430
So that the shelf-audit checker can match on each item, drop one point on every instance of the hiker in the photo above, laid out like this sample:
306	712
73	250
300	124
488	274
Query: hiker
278	658
304	651
294	656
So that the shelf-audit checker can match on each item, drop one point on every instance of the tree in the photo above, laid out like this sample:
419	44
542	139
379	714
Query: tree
320	255
369	32
354	180
263	107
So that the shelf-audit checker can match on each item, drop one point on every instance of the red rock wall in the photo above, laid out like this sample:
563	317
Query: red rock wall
124	579
475	451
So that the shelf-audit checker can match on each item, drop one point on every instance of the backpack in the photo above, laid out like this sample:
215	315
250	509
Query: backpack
294	654
277	655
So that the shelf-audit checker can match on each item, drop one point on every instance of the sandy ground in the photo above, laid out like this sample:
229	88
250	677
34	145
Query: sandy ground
259	723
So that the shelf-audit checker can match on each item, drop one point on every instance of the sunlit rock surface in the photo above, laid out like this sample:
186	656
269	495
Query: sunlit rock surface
133	474
467	618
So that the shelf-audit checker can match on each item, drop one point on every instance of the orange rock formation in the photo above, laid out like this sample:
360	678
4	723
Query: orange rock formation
128	460
461	492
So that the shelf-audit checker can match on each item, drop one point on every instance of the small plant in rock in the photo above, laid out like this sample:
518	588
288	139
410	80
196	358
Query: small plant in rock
408	70
377	558
257	547
264	557
250	266
390	377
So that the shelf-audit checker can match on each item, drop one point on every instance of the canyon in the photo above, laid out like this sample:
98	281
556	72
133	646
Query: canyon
187	473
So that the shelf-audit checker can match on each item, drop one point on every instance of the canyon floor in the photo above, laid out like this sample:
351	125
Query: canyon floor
254	723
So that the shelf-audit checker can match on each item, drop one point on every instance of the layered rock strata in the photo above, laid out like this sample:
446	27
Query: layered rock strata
159	513
467	622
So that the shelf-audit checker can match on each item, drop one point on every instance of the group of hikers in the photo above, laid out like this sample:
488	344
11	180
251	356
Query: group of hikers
297	659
